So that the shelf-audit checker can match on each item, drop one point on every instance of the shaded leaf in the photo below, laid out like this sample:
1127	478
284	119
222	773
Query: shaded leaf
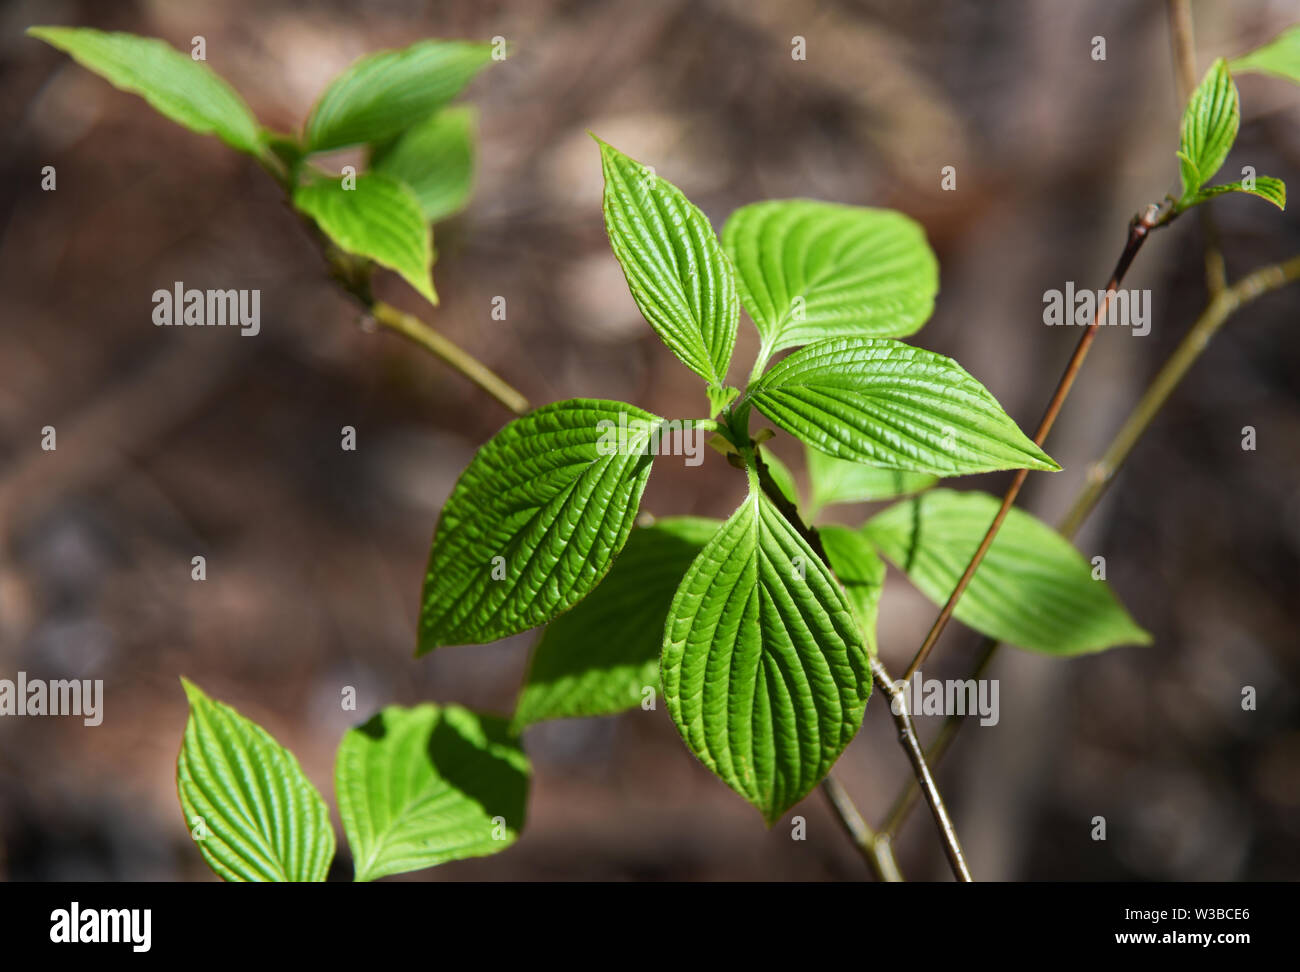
860	570
420	786
1033	589
782	476
842	481
598	658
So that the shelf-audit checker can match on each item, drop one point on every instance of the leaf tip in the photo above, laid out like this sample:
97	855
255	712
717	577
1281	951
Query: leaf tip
192	692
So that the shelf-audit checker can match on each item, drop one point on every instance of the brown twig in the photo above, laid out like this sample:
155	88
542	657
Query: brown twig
1103	471
1139	229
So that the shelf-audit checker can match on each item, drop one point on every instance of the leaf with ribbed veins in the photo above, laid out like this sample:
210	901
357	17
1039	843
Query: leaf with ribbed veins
535	521
764	669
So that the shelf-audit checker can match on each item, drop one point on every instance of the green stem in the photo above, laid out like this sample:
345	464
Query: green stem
414	329
352	273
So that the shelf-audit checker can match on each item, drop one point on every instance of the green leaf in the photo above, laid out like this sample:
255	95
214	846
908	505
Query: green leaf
262	818
384	93
1208	130
891	405
764	670
1033	589
860	570
418	787
720	397
1280	57
435	159
840	481
814	270
186	91
1266	187
535	521
380	219
598	658
675	268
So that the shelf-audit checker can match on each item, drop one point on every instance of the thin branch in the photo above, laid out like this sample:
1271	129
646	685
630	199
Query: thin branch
1103	472
907	736
352	273
411	327
1245	290
877	849
924	778
906	798
1138	232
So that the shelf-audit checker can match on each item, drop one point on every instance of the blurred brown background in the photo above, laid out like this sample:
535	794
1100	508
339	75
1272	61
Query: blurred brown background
173	443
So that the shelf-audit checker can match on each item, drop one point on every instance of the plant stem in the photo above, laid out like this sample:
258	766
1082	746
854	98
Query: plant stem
877	849
1103	471
411	327
906	798
907	736
352	273
1138	232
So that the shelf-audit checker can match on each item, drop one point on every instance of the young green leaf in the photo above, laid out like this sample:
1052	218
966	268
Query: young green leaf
860	570
379	219
252	812
1265	187
535	520
1033	589
814	270
418	787
764	670
675	268
599	658
435	158
720	396
385	93
891	405
840	481
185	90
1209	128
1280	57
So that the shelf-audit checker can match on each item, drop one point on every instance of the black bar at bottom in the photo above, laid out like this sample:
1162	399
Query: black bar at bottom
920	922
